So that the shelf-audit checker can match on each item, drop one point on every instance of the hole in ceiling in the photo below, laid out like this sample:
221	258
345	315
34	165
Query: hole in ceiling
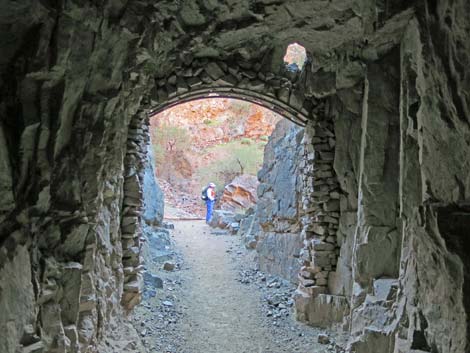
295	57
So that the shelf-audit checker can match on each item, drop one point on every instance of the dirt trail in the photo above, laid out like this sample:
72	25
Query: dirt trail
215	301
223	314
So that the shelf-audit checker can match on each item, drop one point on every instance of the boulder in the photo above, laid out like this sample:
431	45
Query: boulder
224	219
240	194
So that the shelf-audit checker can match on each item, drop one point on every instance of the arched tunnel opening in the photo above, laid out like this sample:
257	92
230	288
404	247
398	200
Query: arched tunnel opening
200	280
211	140
382	176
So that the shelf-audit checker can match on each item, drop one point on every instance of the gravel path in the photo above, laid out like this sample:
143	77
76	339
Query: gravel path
224	314
215	301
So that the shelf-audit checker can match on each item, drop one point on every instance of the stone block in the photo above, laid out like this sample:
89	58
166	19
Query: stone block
332	205
256	85
214	71
181	86
283	95
134	286
71	333
378	254
322	246
325	310
194	82
227	80
372	341
306	274
131	252
313	291
321	258
37	347
130	299
307	282
385	288
169	266
296	100
129	221
71	287
87	302
130	228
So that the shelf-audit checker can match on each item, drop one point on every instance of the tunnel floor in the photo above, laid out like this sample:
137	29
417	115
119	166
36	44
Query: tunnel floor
215	300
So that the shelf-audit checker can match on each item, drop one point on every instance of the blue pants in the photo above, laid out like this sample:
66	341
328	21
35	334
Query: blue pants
210	207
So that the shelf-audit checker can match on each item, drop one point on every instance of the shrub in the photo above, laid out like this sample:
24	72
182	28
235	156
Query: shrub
241	159
169	144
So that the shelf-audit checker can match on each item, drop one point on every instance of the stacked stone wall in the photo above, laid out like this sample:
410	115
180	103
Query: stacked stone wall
286	93
132	209
320	220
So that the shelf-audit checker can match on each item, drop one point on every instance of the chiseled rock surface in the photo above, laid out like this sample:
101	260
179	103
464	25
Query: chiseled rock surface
277	229
385	93
18	301
152	194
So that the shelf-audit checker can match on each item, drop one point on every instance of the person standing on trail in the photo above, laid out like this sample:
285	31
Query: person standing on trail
208	195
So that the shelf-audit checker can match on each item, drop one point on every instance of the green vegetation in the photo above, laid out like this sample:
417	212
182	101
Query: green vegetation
170	142
240	108
241	159
213	123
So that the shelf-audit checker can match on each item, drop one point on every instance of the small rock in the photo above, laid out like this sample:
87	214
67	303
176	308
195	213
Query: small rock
153	280
168	266
167	303
167	225
251	244
323	339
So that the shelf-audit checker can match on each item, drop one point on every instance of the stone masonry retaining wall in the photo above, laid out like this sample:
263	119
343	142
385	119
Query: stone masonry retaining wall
136	156
320	219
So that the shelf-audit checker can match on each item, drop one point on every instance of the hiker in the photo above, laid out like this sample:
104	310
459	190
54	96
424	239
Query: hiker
208	195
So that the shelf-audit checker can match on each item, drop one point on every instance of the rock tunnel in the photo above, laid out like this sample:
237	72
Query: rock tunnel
384	171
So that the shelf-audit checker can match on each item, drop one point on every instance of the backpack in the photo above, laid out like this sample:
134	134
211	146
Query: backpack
204	193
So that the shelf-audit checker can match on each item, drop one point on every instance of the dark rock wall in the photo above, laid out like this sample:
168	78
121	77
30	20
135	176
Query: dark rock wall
152	193
402	174
68	98
389	81
277	211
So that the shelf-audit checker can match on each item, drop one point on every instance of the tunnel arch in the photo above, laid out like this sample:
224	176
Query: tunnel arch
265	101
289	94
